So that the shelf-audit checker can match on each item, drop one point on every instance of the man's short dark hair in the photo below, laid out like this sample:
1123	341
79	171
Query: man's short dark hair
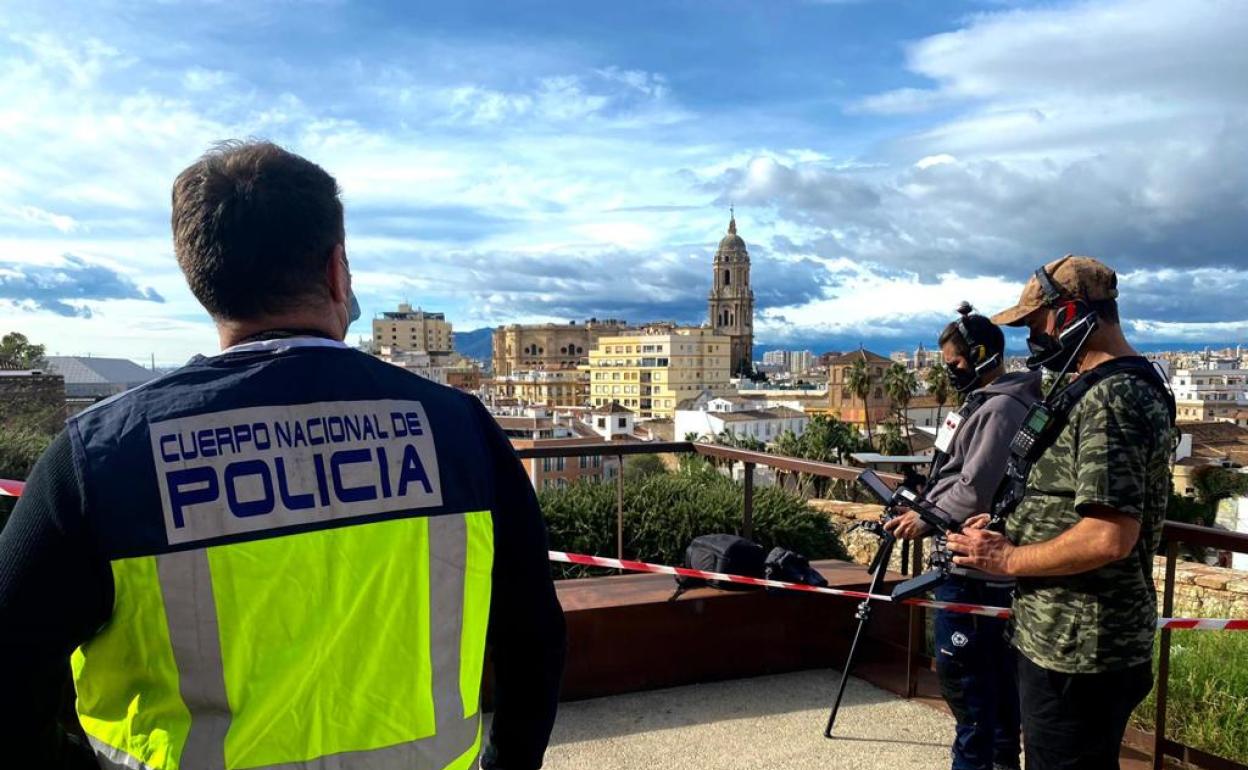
254	227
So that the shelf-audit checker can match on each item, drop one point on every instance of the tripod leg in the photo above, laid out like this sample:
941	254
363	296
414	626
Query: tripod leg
864	615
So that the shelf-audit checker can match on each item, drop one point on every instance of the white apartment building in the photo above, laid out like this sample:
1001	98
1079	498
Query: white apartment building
801	361
1211	394
740	417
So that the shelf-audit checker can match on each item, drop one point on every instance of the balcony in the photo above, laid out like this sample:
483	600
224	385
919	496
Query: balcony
743	680
643	681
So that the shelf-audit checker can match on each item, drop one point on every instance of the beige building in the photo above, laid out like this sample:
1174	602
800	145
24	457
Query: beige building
413	330
561	387
548	347
731	302
844	404
653	369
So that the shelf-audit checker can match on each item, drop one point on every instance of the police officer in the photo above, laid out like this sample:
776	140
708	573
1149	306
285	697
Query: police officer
974	661
286	555
1081	542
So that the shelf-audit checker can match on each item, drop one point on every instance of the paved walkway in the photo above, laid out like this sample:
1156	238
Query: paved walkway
766	723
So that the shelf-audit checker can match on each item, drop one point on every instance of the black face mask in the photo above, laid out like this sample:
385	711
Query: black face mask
1057	353
962	380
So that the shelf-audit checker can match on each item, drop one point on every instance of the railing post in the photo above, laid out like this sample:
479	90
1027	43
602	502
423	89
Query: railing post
1163	658
913	634
747	510
619	510
916	643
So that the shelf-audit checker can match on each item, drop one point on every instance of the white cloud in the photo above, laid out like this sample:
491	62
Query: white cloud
33	215
201	79
874	303
934	160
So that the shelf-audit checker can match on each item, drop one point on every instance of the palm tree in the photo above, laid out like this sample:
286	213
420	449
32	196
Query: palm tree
787	444
858	382
891	442
937	379
899	384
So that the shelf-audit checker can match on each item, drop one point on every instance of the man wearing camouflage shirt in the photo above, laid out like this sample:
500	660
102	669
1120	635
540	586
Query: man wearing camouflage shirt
1081	542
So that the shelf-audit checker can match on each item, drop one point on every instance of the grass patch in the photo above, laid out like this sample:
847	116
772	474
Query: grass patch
1207	707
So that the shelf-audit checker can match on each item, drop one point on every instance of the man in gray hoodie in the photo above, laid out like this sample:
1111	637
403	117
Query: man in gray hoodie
974	661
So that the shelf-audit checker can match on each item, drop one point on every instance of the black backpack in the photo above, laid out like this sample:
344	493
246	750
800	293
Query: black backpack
729	554
790	567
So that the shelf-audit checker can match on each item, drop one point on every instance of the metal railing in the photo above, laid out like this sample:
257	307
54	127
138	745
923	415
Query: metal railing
1173	534
751	460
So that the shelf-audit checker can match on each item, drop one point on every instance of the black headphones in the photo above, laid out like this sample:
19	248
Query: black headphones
980	360
1070	311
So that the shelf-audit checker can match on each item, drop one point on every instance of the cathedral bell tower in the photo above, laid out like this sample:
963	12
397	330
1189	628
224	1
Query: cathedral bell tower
732	299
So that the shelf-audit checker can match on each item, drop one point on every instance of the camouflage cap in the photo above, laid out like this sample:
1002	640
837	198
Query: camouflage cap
1075	277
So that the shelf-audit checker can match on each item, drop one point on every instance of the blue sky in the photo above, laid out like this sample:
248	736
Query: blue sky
530	161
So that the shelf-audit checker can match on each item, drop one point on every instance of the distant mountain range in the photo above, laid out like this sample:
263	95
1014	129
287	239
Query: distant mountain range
475	344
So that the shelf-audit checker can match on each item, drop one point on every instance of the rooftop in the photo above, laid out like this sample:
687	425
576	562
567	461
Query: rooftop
613	408
750	415
847	359
93	377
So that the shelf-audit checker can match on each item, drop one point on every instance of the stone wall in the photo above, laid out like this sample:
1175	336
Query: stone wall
32	400
1200	591
860	543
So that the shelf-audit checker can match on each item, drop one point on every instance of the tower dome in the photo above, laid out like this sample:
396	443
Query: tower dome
731	246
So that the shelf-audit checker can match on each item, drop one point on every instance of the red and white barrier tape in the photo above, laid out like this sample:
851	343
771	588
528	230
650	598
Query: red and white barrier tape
1196	624
10	488
641	566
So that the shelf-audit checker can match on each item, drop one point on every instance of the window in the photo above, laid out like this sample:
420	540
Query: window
582	462
547	464
561	463
727	277
597	461
602	421
621	422
563	483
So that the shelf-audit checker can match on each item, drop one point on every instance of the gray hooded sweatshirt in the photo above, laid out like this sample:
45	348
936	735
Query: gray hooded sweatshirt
981	447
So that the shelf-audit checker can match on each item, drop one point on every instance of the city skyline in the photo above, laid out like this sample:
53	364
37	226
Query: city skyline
503	163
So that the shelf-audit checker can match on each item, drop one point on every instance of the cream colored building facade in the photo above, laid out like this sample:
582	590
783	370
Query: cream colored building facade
410	330
548	347
650	371
563	387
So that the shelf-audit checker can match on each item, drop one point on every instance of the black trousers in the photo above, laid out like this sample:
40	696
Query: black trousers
1076	721
977	670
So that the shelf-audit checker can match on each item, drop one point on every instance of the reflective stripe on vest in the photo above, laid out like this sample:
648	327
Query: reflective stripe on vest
309	651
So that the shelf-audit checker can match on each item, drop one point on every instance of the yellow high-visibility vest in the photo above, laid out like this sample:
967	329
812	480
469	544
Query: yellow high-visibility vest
359	646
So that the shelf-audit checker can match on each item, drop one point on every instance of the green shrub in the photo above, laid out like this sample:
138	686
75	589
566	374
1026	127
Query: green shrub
663	512
19	449
1207	706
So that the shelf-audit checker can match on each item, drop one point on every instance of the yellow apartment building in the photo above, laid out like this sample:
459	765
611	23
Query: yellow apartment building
651	370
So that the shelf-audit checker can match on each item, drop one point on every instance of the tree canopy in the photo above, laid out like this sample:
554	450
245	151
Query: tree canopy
17	352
